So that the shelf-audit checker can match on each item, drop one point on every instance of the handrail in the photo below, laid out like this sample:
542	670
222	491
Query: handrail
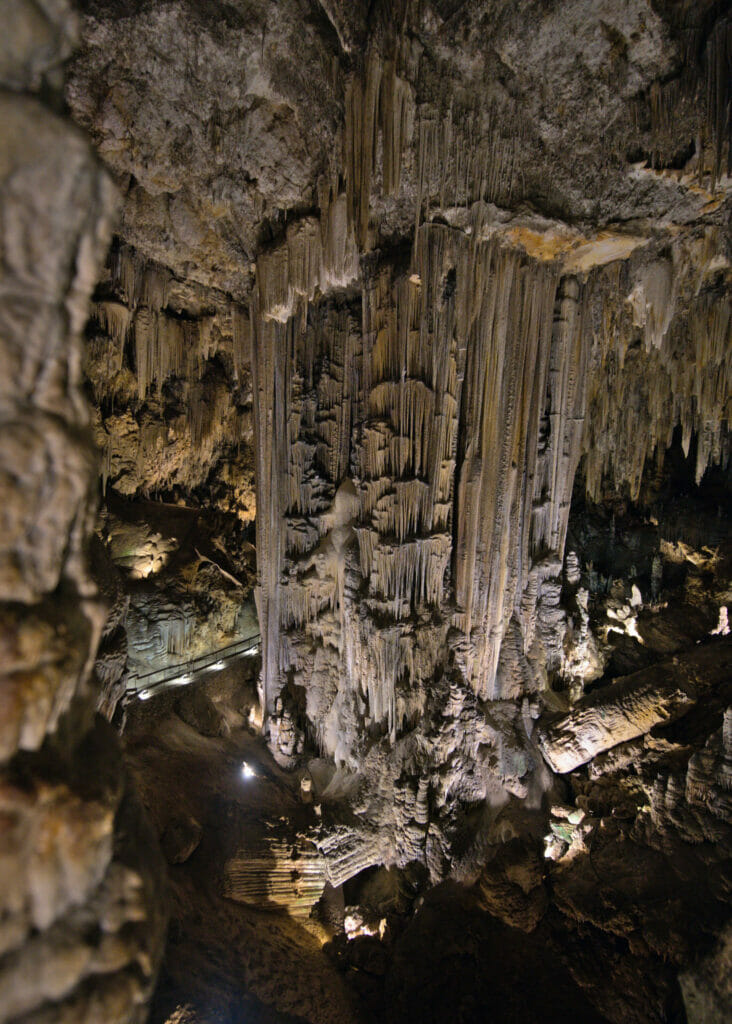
157	677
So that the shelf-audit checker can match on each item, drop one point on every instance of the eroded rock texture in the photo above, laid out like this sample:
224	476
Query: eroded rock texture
415	330
81	911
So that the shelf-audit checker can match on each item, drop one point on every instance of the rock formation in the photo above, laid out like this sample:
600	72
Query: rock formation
82	912
395	339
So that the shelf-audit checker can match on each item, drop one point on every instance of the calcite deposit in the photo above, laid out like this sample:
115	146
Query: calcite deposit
366	564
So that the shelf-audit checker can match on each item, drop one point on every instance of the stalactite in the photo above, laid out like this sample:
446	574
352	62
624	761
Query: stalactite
362	94
304	256
304	601
704	84
652	300
106	468
505	385
140	281
462	159
681	376
241	336
317	254
160	348
269	366
396	105
114	318
340	255
566	401
378	100
718	79
167	343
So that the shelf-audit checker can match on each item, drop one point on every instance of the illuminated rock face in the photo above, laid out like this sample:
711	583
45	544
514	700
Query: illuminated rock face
434	296
82	923
416	457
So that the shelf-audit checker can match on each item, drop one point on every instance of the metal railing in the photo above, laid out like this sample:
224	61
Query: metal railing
184	672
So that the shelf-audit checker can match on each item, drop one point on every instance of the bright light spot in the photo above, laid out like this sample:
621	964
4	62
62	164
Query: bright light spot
723	624
247	770
182	680
355	926
218	666
144	694
144	569
554	848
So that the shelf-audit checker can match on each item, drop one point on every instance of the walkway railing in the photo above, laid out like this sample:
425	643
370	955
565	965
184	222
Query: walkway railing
145	684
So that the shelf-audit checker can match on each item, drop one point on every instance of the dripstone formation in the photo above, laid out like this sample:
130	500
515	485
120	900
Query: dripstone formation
366	487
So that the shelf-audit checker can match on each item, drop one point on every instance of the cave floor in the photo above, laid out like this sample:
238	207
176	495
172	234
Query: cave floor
449	962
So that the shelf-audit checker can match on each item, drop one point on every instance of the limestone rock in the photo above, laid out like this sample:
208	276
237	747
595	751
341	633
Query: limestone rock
435	298
631	707
77	904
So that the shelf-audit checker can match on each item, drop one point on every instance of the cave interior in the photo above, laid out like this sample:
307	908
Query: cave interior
366	560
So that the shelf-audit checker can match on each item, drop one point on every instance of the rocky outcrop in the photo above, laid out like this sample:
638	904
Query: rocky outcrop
632	706
81	903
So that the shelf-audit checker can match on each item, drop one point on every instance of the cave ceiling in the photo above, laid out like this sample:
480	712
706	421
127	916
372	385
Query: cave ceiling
366	559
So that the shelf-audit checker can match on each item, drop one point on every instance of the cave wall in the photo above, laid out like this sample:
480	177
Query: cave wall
82	910
402	281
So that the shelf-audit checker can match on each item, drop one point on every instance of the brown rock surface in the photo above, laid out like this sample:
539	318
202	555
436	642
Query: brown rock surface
81	909
424	307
